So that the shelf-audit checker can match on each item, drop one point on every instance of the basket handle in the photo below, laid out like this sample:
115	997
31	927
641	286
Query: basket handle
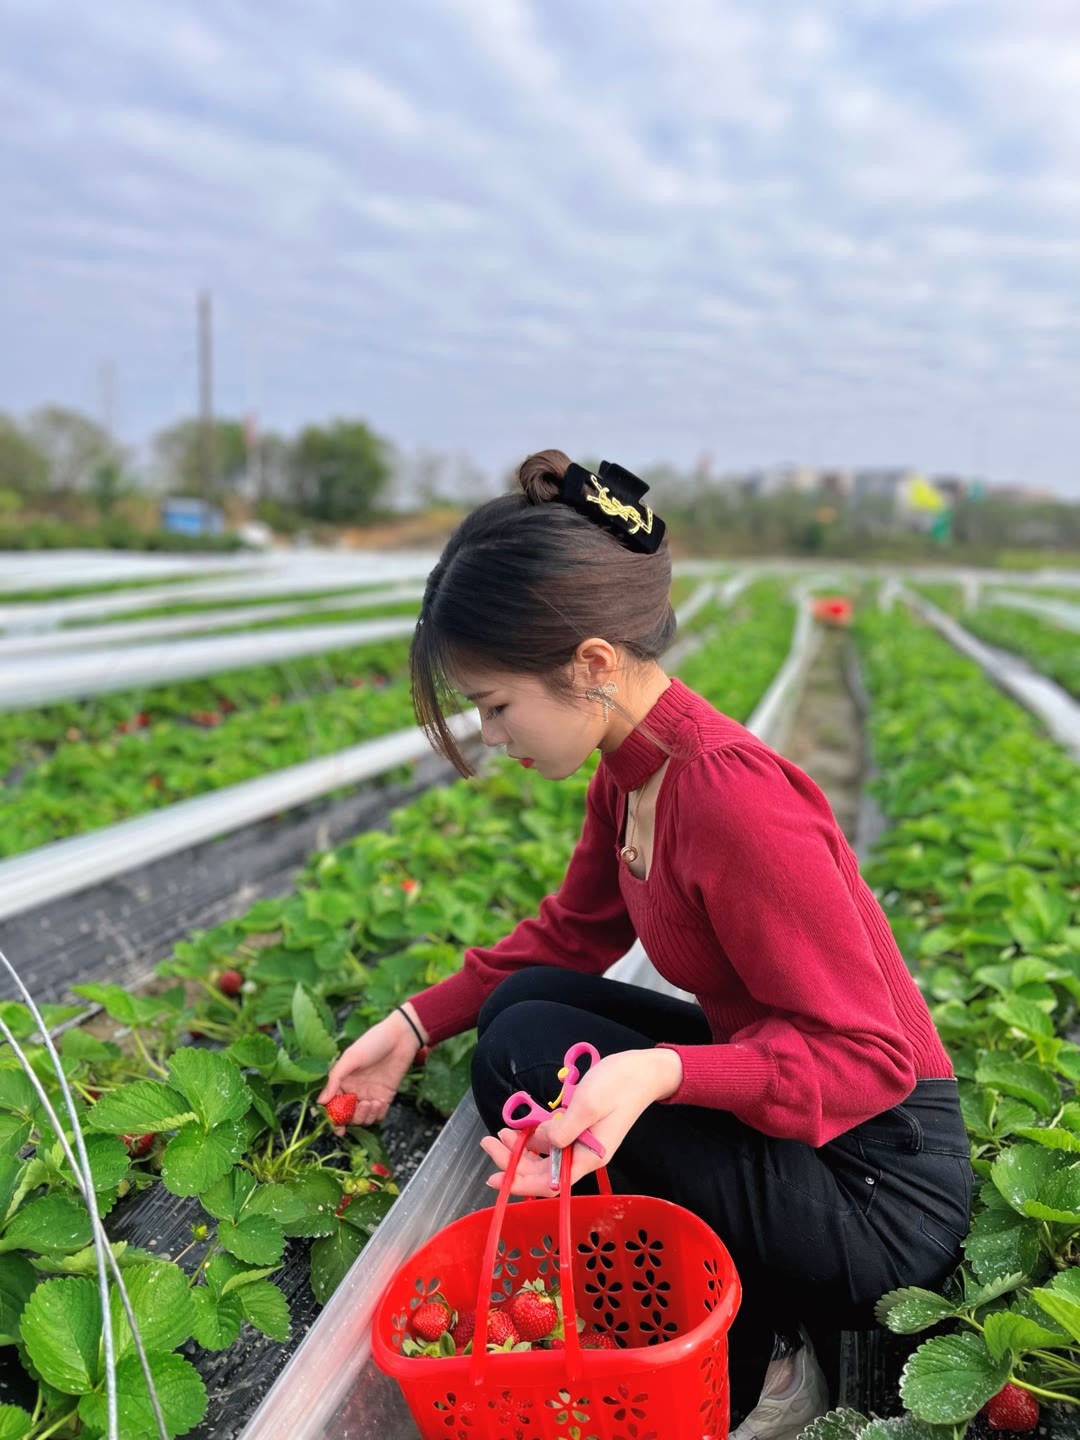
480	1358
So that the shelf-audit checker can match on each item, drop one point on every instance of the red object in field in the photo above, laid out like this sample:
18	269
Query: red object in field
833	610
645	1271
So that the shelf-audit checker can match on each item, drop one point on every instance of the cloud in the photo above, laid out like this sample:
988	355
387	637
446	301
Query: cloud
840	228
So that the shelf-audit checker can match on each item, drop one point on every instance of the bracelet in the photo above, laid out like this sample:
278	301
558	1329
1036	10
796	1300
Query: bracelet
412	1025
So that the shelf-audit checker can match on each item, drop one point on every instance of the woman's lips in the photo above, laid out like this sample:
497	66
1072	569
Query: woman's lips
527	761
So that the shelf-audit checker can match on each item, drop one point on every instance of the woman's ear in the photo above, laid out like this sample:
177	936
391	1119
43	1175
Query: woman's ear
596	661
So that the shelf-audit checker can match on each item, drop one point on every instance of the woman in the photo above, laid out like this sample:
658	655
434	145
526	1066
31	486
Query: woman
804	1106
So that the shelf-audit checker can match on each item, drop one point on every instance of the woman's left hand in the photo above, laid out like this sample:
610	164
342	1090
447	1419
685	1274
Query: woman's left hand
614	1092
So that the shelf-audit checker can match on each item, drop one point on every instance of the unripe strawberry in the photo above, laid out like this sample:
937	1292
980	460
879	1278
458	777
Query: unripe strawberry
341	1108
1012	1408
431	1319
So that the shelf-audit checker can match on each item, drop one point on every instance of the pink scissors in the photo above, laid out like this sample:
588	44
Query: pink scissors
529	1114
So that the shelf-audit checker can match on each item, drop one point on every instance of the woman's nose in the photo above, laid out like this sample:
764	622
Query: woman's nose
490	732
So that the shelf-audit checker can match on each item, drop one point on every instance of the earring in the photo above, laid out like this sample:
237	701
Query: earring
602	693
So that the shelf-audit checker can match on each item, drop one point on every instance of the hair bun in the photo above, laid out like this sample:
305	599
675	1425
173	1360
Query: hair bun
539	475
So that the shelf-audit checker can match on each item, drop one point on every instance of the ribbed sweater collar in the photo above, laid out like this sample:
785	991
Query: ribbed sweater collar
636	758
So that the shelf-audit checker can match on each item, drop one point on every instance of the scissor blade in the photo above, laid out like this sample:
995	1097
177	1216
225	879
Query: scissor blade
556	1167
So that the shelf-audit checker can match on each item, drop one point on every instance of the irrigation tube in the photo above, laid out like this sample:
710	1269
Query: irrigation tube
26	683
331	1386
83	637
1046	608
103	1253
327	572
1049	703
67	866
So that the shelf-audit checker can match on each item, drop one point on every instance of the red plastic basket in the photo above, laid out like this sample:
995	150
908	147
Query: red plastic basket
651	1273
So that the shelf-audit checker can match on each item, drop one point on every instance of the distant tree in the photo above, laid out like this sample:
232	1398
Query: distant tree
73	445
340	471
24	470
180	449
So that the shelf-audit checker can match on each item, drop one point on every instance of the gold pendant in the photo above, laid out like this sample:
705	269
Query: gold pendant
629	854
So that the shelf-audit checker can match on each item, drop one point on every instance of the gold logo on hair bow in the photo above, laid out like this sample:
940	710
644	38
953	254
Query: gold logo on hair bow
610	506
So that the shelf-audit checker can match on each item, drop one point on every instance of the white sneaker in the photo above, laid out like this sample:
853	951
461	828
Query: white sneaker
803	1398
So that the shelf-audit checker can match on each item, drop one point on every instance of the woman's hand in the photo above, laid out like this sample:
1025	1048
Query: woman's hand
372	1068
614	1092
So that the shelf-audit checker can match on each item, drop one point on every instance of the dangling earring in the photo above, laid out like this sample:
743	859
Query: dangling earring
602	693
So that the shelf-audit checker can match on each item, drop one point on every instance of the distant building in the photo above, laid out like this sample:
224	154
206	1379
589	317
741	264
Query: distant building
182	515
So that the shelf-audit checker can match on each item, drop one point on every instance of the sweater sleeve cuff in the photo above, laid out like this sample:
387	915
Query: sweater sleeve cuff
723	1077
450	1007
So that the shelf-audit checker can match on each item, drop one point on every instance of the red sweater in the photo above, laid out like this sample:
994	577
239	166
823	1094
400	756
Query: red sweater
754	903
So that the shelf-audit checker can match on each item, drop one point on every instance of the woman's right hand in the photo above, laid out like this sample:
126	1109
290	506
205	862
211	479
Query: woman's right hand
372	1069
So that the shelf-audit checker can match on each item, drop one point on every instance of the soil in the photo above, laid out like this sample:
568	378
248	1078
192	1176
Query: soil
826	738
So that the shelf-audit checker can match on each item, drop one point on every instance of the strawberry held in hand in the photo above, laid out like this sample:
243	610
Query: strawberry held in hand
1012	1408
341	1108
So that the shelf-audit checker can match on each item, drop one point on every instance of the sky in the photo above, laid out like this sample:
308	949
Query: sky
735	234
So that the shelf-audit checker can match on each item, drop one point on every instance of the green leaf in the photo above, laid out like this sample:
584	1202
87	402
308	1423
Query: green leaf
266	1308
217	1318
54	1222
254	1052
1000	1242
164	1311
142	1108
117	1002
1007	1333
1020	1078
180	1391
14	1133
1023	1015
244	1277
262	1098
10	1171
109	1161
332	1258
911	1309
228	1196
212	1083
17	1093
61	1328
15	1422
319	1194
256	1239
279	1202
836	1425
76	1044
1053	1137
305	1071
312	1035
1060	1308
950	1378
975	1296
366	1212
194	1161
1021	1171
17	1280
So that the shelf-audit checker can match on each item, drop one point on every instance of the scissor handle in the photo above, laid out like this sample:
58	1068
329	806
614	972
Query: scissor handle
533	1115
573	1075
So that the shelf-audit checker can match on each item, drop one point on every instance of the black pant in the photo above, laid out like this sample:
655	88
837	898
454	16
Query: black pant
817	1235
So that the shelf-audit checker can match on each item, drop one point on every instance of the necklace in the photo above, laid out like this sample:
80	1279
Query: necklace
629	852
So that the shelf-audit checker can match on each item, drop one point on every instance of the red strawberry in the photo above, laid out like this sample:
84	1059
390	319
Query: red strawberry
343	1204
1012	1408
341	1108
382	1171
534	1314
410	886
598	1340
432	1318
229	982
462	1332
137	1145
500	1328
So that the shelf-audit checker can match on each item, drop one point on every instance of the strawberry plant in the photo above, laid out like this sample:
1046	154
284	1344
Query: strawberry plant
979	875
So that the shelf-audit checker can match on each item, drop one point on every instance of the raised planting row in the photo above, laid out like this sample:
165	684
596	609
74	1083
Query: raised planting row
206	1092
980	877
1052	649
163	754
